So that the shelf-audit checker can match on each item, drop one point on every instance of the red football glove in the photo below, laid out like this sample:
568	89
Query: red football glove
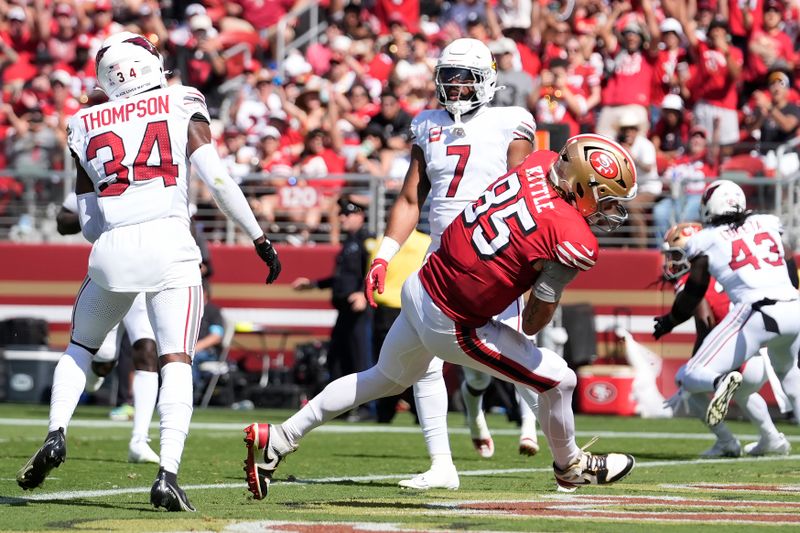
376	279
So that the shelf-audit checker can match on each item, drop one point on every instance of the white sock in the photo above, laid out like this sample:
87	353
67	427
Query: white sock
145	393
430	394
558	421
790	382
473	404
443	460
69	379
757	412
339	396
698	404
528	402
175	410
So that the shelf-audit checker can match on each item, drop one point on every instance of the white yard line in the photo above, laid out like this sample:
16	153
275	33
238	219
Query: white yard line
79	494
382	428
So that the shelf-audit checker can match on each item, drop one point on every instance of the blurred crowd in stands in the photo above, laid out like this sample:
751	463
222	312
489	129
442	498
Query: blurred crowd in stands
693	88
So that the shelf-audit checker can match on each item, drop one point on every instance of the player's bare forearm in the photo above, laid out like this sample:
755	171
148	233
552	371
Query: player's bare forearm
694	291
405	212
518	150
536	315
704	322
402	220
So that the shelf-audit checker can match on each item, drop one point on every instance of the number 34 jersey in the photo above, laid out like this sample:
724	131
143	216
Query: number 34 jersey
748	260
461	164
487	255
135	152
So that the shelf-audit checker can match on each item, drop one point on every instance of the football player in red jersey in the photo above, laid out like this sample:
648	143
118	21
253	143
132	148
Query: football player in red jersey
709	313
529	230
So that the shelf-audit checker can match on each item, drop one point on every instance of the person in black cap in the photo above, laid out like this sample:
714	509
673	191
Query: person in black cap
349	349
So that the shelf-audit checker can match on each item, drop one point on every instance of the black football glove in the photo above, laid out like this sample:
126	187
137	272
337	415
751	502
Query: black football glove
663	325
268	254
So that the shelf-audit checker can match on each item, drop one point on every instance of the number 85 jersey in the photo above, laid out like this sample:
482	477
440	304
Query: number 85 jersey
135	152
461	164
487	255
746	260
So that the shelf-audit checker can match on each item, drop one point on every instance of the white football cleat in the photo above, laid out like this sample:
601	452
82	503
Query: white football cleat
591	469
439	478
718	407
779	446
139	451
528	445
723	448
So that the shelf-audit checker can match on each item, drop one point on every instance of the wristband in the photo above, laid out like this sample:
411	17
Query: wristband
388	249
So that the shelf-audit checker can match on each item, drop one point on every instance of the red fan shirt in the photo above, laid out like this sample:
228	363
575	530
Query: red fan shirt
632	81
715	84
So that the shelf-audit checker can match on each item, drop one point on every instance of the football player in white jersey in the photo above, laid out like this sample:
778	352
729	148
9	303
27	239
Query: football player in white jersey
457	152
712	310
133	156
745	253
143	352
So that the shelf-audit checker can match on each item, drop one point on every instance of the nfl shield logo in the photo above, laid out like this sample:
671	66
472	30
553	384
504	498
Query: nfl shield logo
434	134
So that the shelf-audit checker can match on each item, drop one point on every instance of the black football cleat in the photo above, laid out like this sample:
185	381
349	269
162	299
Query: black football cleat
167	494
52	453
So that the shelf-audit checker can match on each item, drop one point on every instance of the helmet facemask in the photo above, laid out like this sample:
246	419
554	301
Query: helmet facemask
610	214
460	89
676	264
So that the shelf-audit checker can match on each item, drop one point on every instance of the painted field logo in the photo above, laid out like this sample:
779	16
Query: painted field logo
602	392
635	509
604	164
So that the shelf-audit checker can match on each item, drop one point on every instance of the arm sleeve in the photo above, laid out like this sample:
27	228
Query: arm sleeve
526	125
226	193
552	280
70	203
92	221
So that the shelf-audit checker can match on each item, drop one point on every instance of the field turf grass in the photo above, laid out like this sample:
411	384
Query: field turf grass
344	478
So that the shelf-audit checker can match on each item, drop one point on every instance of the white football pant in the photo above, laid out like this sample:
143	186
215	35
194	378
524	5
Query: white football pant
739	336
136	323
422	329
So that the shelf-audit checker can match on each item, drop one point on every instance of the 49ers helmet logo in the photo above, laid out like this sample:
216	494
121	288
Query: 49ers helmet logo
604	164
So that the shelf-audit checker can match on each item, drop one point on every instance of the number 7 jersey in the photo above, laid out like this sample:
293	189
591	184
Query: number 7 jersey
461	164
135	152
747	260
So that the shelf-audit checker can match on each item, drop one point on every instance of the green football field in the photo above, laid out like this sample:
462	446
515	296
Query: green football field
344	478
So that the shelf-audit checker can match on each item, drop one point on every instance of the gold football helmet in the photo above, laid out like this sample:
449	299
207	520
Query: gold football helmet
594	173
675	262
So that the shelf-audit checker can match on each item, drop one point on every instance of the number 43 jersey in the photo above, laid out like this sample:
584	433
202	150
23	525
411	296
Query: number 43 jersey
462	161
748	260
487	255
135	152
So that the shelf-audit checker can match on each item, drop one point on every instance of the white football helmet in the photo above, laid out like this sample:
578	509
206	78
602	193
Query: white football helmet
721	198
128	64
465	76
